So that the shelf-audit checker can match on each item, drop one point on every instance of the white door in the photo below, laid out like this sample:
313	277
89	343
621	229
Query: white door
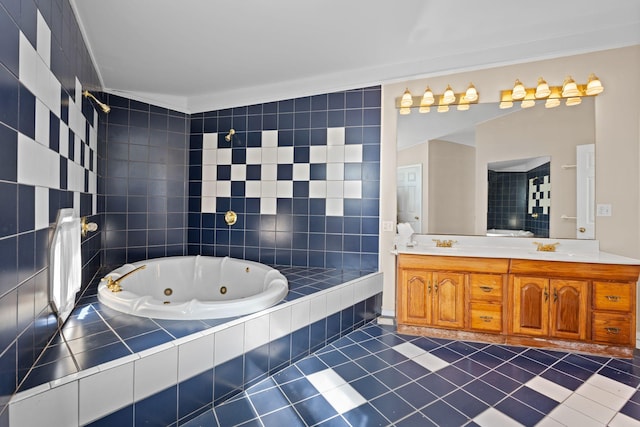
410	196
585	194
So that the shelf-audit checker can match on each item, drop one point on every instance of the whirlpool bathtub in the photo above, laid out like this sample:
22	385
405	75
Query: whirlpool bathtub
192	287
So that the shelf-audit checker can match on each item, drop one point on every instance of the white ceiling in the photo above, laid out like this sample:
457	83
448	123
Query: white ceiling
200	55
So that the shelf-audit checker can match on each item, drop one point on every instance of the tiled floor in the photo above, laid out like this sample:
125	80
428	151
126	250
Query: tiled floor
376	377
95	334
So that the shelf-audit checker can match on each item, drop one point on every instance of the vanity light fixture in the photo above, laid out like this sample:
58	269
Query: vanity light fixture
542	90
463	100
518	92
570	91
594	86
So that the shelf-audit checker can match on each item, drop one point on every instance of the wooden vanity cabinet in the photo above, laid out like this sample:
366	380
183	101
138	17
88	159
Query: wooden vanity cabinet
549	307
565	305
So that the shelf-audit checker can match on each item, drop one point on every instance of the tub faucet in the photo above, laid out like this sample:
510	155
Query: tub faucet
114	285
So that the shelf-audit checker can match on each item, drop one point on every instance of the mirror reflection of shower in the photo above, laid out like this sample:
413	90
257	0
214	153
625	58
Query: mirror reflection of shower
519	197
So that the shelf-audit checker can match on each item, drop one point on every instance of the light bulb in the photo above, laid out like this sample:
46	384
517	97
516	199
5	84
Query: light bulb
542	90
471	94
427	98
518	92
594	86
407	99
569	88
448	97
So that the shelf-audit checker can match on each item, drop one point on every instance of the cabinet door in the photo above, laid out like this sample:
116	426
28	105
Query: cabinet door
414	287
530	306
448	300
569	309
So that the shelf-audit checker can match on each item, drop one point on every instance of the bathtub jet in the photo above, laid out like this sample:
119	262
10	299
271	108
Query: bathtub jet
192	287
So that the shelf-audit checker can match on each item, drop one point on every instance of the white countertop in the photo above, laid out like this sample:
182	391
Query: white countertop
568	250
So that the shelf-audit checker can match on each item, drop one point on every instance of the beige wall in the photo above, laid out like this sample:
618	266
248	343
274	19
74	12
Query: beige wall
451	188
617	129
536	132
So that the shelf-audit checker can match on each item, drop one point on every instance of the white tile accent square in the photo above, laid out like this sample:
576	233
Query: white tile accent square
269	172
48	404
300	314
268	205
589	408
224	156
42	123
409	350
335	171
229	343
612	386
317	308
280	323
28	64
269	189
431	362
77	147
37	164
208	205
344	398
301	171
155	372
318	154
209	173
78	95
335	154
602	396
549	388
252	189
622	420
325	380
254	156
210	141
353	153
269	156
570	417
41	208
256	332
492	418
285	189
335	189
333	302
335	136
352	189
117	383
223	188
334	207
75	176
64	140
43	40
285	155
195	357
317	189
76	203
269	138
238	172
209	157
549	422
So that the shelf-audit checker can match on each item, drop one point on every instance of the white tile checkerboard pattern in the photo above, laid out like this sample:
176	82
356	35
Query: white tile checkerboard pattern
334	188
540	194
38	164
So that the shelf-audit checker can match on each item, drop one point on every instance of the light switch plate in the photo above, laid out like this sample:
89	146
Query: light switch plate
603	210
387	225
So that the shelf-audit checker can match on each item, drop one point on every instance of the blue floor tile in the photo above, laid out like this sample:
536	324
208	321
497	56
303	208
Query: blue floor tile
298	390
369	387
485	392
366	412
235	412
519	411
372	363
444	415
284	417
623	377
573	370
534	399
465	403
416	395
350	371
455	375
268	400
391	377
560	378
436	384
501	382
315	410
392	406
417	419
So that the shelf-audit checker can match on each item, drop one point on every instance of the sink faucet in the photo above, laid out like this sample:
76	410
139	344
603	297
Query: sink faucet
114	285
444	243
551	247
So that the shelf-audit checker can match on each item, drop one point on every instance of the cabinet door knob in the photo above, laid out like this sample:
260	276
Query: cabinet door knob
582	229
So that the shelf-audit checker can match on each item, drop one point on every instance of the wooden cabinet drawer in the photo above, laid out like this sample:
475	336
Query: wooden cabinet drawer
613	296
612	328
486	317
485	287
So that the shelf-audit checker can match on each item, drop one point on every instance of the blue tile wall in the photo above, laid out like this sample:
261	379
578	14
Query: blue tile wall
29	205
143	151
302	230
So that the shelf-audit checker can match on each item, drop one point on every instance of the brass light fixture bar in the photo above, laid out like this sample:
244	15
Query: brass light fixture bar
571	92
445	100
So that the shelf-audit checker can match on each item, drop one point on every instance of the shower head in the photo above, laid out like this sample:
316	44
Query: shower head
104	107
230	135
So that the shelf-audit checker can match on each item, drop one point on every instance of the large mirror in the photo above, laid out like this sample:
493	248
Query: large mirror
445	159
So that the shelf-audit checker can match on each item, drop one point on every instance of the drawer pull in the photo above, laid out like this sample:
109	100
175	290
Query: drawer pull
613	298
486	318
612	330
486	288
